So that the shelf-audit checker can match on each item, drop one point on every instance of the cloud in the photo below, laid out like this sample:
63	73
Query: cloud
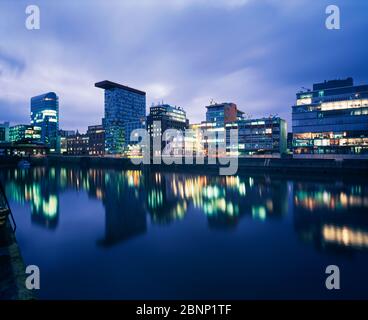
186	52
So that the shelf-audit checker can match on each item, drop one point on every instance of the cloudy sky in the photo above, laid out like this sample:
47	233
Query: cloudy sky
256	53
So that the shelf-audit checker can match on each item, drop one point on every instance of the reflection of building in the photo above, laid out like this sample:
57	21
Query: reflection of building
265	136
46	212
125	214
224	200
39	187
331	120
124	110
4	132
163	205
330	216
169	117
128	196
96	140
24	133
45	114
77	145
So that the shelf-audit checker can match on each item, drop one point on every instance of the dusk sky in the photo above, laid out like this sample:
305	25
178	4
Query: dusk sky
255	53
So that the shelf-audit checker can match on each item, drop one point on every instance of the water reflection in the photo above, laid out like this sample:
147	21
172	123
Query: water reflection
332	216
328	215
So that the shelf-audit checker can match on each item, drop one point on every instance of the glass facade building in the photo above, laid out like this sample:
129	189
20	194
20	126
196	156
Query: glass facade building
45	114
218	115
331	121
221	113
259	137
24	133
125	110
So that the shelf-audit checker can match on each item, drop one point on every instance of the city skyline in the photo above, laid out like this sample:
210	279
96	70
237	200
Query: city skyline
260	71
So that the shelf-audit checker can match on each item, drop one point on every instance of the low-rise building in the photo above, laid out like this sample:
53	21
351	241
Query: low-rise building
263	137
78	145
23	133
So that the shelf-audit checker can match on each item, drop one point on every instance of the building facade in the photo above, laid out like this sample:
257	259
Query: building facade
4	132
125	108
45	114
265	137
22	149
78	145
63	135
168	117
96	140
24	133
219	119
222	113
331	121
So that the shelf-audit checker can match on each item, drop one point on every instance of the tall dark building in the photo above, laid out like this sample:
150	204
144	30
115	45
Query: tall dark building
4	132
96	135
169	117
125	108
45	114
331	121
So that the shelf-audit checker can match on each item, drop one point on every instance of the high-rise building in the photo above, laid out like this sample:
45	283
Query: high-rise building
96	135
125	108
170	117
331	121
4	132
25	133
45	114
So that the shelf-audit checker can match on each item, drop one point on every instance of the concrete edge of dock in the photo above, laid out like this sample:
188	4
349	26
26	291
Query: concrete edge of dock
12	284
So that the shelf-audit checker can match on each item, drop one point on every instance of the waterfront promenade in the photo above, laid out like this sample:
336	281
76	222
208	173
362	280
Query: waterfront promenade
357	167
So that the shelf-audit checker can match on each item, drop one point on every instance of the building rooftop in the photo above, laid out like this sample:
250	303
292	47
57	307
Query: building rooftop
330	84
216	105
110	85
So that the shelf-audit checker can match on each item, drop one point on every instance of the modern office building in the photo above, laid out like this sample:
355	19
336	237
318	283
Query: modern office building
331	121
78	145
170	117
63	135
4	132
259	137
25	134
218	117
96	140
222	113
45	114
125	108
